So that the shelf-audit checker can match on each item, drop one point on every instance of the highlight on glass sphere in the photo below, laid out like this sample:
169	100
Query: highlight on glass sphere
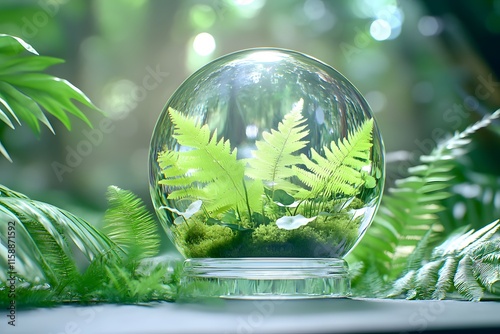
266	153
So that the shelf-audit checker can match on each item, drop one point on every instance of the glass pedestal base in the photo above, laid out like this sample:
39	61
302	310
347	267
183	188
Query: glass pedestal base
265	278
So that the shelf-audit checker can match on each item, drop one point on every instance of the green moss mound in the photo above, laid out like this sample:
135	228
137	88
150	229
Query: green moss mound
201	240
327	236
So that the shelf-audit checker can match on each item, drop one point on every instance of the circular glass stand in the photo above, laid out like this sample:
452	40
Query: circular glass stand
266	278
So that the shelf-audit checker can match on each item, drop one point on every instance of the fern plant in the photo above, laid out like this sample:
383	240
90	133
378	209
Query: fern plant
211	163
397	251
278	190
467	262
25	93
275	155
39	243
339	171
405	253
119	267
130	225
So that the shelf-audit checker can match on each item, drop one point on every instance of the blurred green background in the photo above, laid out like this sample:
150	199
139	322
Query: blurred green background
427	68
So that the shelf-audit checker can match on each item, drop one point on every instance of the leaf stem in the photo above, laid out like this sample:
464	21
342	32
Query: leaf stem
247	202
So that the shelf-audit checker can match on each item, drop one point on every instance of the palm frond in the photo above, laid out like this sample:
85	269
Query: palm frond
128	224
45	262
25	94
57	258
12	45
43	236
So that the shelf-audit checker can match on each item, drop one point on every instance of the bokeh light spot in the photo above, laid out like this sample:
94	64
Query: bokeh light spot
314	9
204	44
248	8
380	30
202	16
243	2
376	100
429	26
252	131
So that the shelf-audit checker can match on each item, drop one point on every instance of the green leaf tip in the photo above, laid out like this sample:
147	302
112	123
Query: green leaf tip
26	94
276	154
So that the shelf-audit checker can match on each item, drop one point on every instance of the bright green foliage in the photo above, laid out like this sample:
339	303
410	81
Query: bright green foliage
320	238
340	171
399	243
209	171
275	155
235	204
397	256
408	212
209	163
45	263
467	262
46	238
124	282
128	223
25	94
202	240
42	234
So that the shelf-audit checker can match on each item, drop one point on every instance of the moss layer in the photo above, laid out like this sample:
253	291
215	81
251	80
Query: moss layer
327	236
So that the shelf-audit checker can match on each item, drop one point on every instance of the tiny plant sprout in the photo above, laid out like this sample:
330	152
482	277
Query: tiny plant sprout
293	222
190	211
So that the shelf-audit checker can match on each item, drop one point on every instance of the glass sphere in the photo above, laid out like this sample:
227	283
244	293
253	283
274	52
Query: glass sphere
266	153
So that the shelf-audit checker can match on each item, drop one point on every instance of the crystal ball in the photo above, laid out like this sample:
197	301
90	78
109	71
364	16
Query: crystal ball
266	153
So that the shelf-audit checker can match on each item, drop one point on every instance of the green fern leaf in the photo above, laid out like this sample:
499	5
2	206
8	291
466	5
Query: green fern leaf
465	281
339	172
209	171
465	251
128	223
275	155
426	278
445	278
410	209
467	261
25	94
421	251
486	264
403	284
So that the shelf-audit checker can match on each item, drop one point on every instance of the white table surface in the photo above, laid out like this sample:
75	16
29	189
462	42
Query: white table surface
239	316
